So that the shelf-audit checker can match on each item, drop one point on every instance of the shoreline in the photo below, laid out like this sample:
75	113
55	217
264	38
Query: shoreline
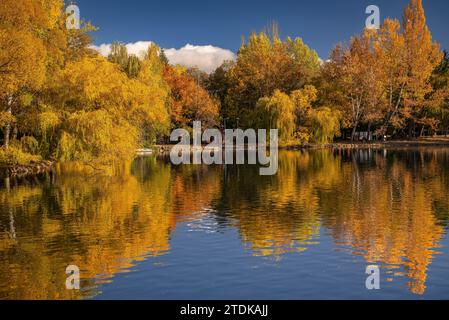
22	171
422	142
427	143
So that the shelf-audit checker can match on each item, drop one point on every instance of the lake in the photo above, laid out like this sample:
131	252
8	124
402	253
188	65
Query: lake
152	230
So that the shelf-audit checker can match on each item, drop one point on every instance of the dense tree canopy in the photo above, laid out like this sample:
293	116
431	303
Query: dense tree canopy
60	99
189	100
265	64
382	79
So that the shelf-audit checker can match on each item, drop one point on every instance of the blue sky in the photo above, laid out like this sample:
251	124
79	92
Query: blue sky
175	23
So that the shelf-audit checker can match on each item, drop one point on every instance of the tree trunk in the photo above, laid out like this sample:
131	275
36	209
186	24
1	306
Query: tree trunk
354	130
411	129
392	113
8	126
422	132
15	132
369	131
7	184
414	129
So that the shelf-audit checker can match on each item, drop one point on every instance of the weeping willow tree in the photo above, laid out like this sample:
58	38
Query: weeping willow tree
278	112
105	113
61	100
297	120
324	125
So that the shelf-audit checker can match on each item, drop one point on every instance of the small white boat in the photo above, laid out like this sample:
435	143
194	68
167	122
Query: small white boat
144	152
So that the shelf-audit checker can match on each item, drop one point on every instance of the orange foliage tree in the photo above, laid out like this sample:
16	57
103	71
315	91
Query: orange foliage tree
189	101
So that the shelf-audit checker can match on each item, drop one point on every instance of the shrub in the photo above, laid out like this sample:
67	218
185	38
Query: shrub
14	156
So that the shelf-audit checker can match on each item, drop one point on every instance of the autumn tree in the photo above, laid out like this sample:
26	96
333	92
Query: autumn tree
200	76
265	64
422	56
296	117
353	79
104	112
304	101
218	86
189	101
324	125
36	45
382	78
278	112
439	98
156	123
163	57
130	64
408	59
25	26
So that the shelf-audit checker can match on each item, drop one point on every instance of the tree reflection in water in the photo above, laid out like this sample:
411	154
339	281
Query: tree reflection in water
389	206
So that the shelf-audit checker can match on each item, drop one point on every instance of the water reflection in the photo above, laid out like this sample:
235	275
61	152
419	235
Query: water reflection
389	207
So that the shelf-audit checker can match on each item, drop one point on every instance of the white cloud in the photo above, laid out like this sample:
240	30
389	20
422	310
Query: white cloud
103	49
205	58
137	48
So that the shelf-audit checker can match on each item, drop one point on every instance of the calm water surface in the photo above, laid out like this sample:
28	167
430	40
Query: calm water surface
157	231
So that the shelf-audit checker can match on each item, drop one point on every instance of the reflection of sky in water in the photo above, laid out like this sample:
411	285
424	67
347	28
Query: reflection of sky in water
227	233
205	224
